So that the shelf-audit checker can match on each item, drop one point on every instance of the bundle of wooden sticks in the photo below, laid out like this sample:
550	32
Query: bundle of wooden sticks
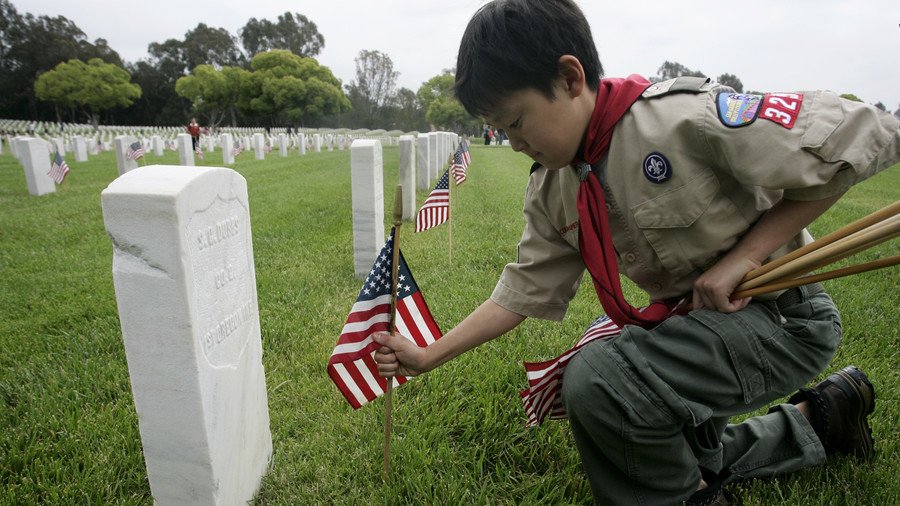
791	270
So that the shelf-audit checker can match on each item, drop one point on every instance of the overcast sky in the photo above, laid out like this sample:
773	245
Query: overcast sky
842	45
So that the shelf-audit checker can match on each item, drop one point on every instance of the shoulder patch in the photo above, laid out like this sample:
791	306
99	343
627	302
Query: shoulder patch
737	109
682	84
782	108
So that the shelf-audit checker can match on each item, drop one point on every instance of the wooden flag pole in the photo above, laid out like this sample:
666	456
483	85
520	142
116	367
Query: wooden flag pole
849	229
815	278
867	237
395	264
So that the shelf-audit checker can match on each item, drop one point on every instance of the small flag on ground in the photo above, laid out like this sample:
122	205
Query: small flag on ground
135	151
436	209
458	168
467	157
58	169
199	152
237	150
542	397
352	365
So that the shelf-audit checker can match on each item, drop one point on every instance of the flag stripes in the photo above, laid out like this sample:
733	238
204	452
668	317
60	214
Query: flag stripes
436	209
352	364
542	399
58	169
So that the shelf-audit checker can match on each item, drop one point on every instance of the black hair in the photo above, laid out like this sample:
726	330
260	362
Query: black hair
510	45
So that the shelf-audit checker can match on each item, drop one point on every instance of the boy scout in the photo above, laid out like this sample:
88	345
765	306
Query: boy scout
693	186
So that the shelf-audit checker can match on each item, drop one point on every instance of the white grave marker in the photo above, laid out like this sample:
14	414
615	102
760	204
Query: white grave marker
123	162
36	162
408	175
186	291
367	189
227	145
185	150
424	179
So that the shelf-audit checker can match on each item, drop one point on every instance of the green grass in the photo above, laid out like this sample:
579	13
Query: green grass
68	429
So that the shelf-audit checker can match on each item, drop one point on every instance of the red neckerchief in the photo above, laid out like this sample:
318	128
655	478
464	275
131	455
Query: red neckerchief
614	97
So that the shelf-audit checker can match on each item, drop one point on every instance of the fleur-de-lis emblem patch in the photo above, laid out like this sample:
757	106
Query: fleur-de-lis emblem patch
657	168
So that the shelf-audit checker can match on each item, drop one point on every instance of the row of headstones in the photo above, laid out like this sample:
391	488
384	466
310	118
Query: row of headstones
182	245
32	153
430	152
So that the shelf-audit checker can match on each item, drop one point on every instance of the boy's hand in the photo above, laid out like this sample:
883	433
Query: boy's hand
398	356
714	287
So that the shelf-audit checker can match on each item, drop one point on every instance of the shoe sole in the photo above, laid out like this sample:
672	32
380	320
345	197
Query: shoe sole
859	383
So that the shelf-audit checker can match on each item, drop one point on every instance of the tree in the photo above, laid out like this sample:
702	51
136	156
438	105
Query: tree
442	109
732	81
851	97
671	70
213	93
405	113
293	32
373	89
94	86
287	87
897	113
31	45
880	106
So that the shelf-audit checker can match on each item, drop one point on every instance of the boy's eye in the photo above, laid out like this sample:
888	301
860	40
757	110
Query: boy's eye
516	123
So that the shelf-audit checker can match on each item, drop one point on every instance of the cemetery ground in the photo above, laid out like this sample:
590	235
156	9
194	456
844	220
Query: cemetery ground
68	427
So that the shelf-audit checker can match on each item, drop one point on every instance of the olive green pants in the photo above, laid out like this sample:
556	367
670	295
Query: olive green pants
649	407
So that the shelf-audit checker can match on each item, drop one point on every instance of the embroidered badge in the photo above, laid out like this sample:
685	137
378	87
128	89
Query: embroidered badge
737	109
782	108
657	168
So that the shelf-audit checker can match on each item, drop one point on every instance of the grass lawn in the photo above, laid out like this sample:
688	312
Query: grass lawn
68	428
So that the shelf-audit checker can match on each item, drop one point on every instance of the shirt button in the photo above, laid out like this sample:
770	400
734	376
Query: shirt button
630	258
608	208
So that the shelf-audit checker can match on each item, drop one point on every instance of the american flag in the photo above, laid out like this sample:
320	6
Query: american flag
267	148
58	169
198	151
467	157
459	166
542	397
352	365
238	149
436	209
135	151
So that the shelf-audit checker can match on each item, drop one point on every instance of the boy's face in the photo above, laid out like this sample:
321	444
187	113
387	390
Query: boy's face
549	131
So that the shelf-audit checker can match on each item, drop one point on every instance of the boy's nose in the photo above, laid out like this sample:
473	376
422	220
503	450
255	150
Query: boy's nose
517	144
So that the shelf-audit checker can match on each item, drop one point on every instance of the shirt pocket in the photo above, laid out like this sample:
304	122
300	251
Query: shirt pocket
825	115
690	225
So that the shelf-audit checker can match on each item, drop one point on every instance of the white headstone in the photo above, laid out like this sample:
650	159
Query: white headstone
58	146
186	292
367	189
36	162
157	143
424	179
210	144
227	145
123	162
408	175
282	144
185	150
259	142
317	143
302	142
433	156
81	153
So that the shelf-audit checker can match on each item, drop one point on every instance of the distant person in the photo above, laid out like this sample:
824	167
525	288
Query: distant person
487	136
194	130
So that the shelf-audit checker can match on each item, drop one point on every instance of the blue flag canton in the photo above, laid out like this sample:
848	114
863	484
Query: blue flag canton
136	145
458	157
378	282
58	160
442	184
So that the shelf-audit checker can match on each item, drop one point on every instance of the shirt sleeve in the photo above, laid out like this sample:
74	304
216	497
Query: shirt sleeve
832	144
548	269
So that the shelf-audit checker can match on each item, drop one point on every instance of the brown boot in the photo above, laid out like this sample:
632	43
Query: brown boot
840	405
714	494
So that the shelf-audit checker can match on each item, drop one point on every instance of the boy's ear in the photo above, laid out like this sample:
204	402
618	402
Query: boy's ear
572	72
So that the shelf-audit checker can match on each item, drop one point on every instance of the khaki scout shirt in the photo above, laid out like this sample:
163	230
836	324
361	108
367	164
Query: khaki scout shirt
722	179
